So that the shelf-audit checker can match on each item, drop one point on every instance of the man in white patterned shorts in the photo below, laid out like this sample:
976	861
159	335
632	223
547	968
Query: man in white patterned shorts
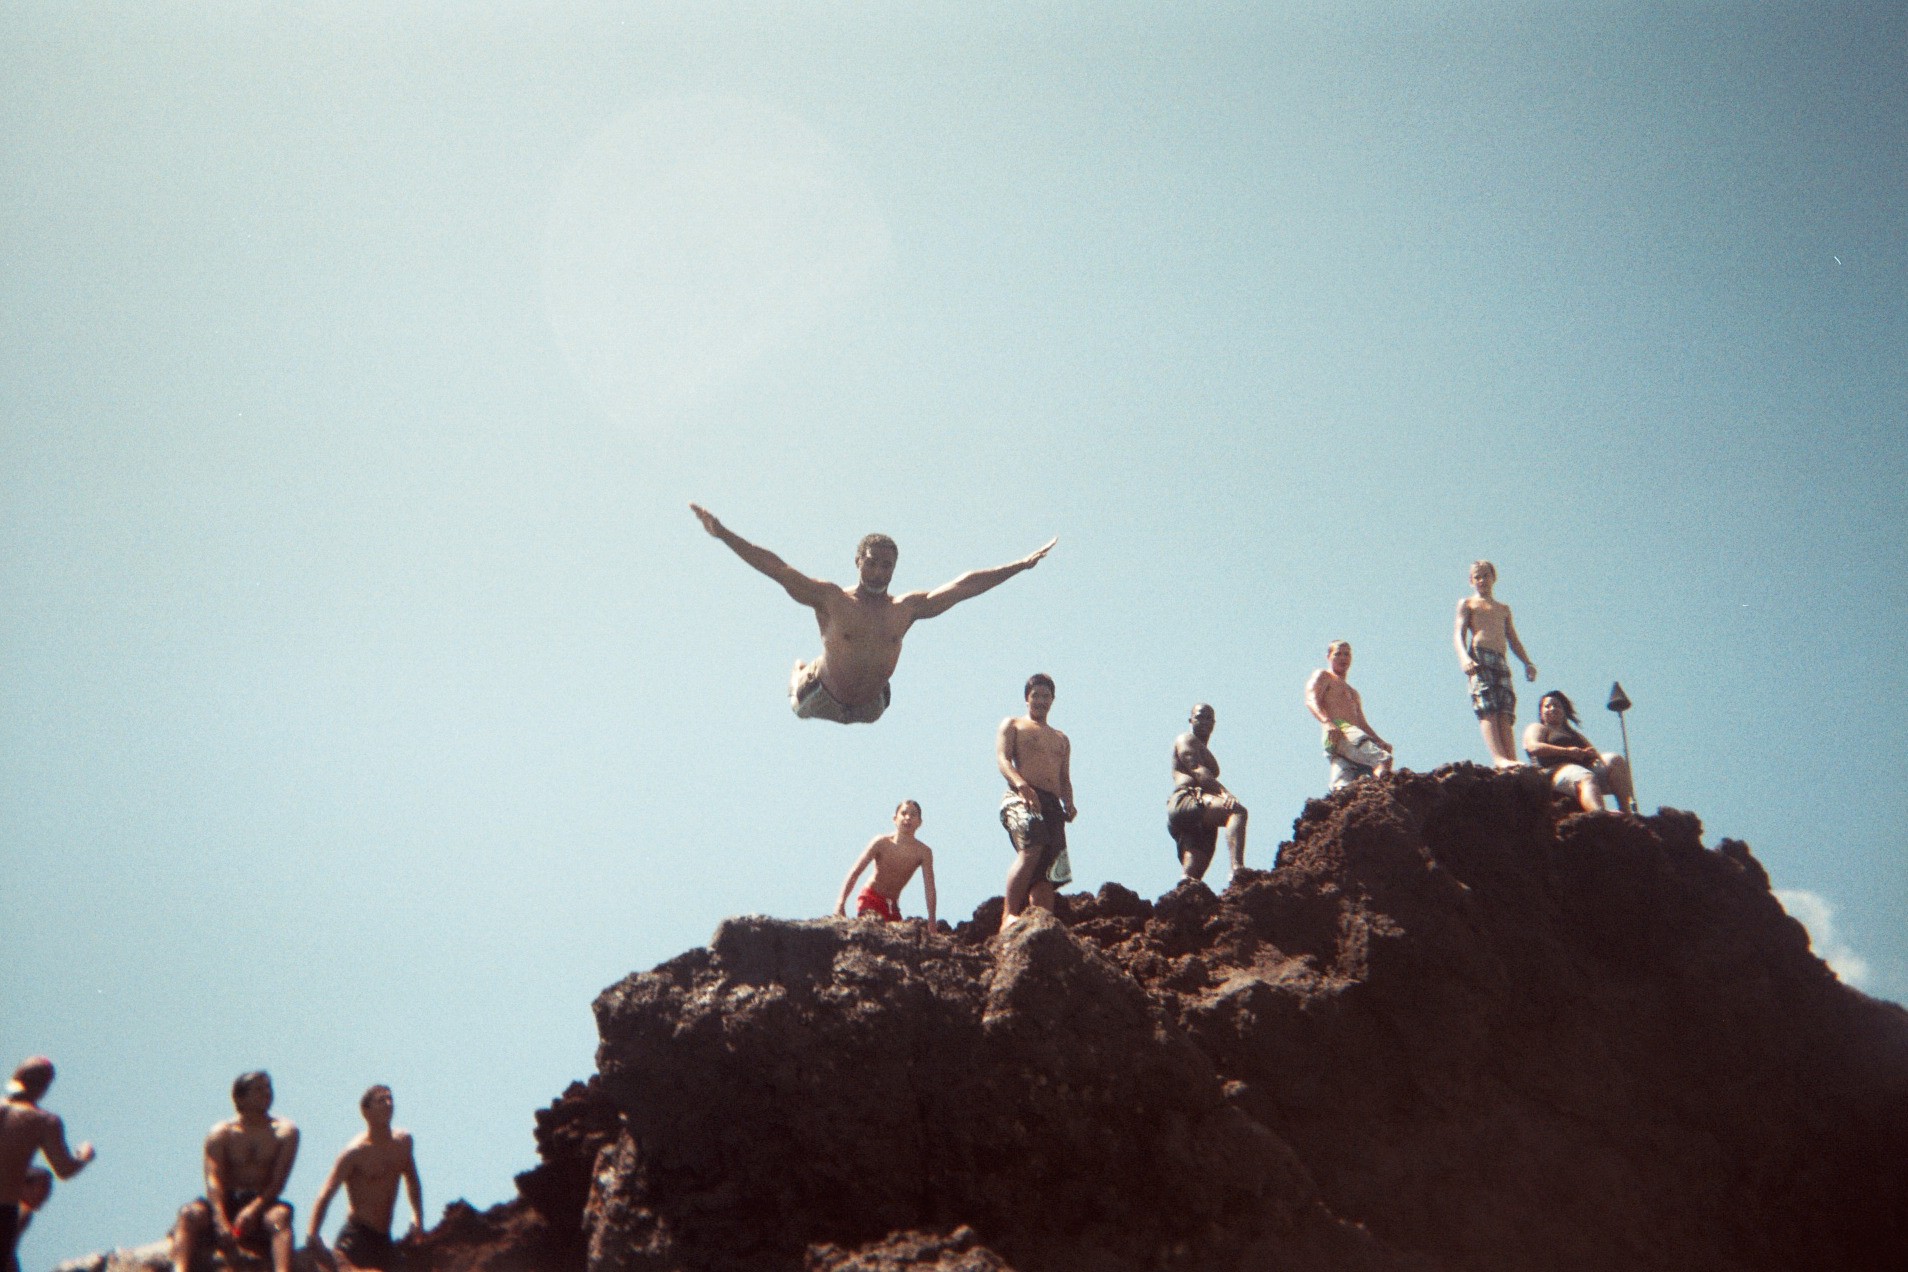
1352	745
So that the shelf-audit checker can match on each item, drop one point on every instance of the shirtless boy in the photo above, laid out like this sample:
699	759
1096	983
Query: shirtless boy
247	1161
895	858
1484	629
861	628
1351	744
26	1131
1035	759
369	1168
1199	804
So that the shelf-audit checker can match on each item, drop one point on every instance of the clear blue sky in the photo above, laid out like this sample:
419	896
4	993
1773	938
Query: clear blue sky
369	698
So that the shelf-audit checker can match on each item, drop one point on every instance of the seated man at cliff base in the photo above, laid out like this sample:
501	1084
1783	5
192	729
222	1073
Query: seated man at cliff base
862	627
1200	804
1351	744
895	859
247	1161
1576	767
369	1169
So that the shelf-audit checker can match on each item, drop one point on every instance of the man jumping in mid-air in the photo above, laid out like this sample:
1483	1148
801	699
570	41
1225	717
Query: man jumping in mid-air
862	627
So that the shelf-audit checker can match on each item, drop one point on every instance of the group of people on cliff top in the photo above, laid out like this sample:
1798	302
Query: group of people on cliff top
248	1160
861	632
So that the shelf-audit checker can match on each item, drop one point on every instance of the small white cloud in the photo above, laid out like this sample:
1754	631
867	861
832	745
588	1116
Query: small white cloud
1814	912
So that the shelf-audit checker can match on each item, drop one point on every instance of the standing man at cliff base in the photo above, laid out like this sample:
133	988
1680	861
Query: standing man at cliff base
369	1168
895	858
1484	631
862	627
247	1161
1035	758
26	1131
1351	744
1199	804
1576	767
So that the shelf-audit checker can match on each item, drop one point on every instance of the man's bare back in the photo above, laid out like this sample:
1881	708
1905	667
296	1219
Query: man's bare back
27	1130
862	627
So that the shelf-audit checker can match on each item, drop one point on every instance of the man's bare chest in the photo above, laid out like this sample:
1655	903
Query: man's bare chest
249	1152
865	622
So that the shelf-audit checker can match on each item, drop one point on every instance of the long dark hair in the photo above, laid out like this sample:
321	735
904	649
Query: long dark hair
1570	712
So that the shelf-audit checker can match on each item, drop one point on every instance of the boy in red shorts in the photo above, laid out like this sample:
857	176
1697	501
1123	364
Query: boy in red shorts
896	857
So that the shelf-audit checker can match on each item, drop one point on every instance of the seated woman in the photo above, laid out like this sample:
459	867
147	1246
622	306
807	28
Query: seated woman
1573	764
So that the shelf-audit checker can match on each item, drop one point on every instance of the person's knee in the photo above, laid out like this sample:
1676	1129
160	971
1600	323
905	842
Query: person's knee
278	1218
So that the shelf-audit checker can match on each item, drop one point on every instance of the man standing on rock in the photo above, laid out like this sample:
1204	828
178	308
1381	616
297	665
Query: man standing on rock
1035	759
1199	804
861	629
247	1161
1351	744
1484	632
26	1131
369	1168
895	859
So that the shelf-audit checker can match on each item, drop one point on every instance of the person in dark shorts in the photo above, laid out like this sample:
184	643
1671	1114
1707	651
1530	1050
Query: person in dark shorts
1199	805
1036	760
369	1169
247	1161
26	1132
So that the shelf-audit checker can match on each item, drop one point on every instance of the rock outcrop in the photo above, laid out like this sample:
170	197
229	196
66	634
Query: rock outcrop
1457	1027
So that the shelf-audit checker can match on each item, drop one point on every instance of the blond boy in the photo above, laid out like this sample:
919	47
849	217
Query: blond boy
1484	632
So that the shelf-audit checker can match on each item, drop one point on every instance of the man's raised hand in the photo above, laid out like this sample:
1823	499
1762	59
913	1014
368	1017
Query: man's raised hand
708	519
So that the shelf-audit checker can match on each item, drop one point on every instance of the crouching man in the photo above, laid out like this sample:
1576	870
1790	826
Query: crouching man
247	1161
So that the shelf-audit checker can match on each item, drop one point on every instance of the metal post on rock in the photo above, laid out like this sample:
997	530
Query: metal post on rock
1619	703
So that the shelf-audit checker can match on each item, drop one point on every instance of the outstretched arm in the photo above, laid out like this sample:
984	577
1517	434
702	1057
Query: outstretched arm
927	882
1517	647
804	590
53	1144
974	582
848	884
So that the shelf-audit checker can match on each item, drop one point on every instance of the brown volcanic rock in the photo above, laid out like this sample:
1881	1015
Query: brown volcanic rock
1450	1030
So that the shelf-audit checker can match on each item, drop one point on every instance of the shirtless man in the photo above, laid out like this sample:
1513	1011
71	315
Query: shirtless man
896	857
1484	629
1351	744
1035	758
861	629
369	1168
26	1131
1199	805
247	1161
1576	767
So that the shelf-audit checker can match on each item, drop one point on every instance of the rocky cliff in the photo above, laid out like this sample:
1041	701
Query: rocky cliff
1457	1027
